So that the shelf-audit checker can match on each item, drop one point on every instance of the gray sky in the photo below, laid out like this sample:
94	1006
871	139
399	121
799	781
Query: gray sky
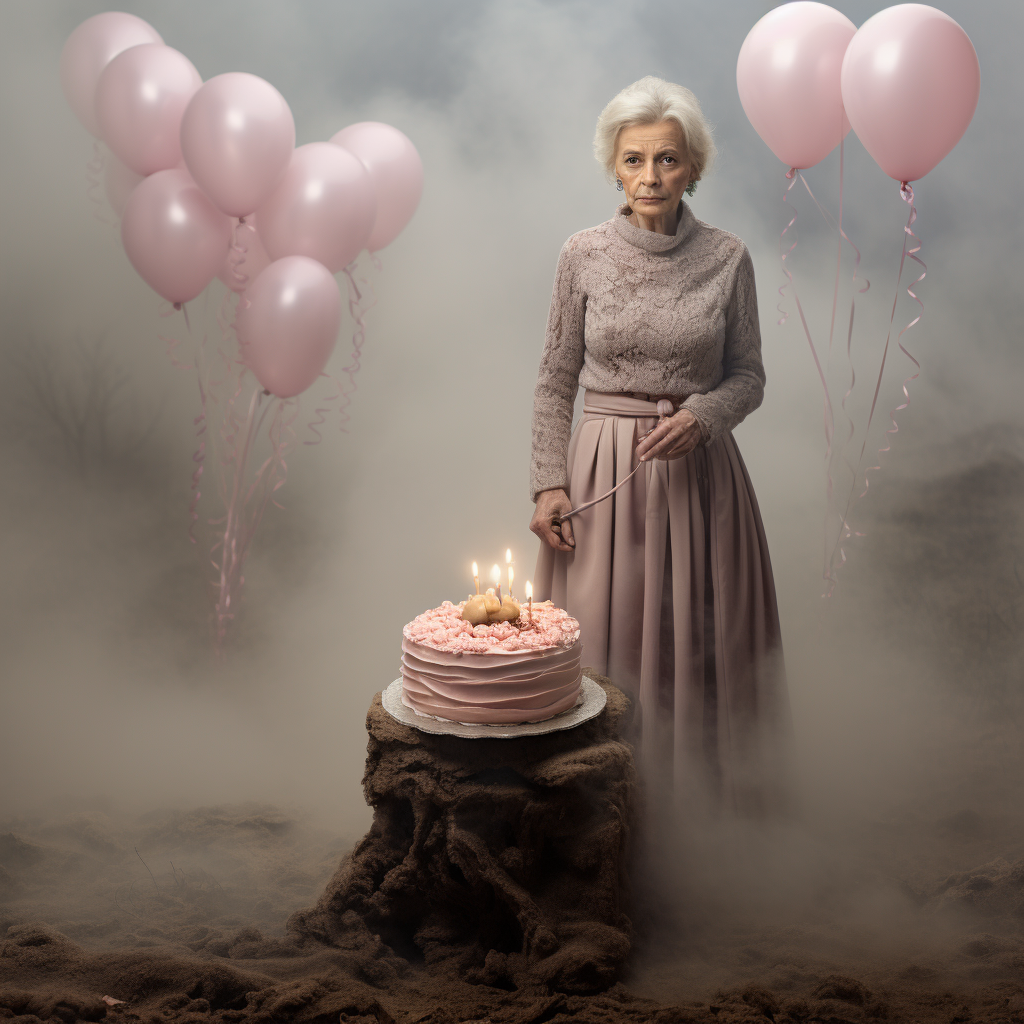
104	599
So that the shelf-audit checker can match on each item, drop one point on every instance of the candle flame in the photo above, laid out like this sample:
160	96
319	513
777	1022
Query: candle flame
476	571
508	555
529	589
496	574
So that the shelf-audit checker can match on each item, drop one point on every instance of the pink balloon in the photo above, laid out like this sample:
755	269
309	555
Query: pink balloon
237	137
289	324
89	49
396	171
140	99
249	263
174	236
118	182
324	207
788	79
911	82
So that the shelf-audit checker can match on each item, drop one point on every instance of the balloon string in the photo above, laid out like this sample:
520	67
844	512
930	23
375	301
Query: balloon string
784	314
339	392
827	574
321	411
273	473
827	413
907	194
184	312
199	458
358	306
173	343
844	528
248	504
238	251
229	541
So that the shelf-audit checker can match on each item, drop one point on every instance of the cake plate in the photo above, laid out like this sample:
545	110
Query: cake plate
589	704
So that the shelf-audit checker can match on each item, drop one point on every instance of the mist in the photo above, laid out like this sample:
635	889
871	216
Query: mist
905	683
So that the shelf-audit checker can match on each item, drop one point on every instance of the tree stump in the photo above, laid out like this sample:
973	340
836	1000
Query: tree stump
502	861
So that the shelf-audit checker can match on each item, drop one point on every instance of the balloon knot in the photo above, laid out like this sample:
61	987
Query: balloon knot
177	305
907	191
791	173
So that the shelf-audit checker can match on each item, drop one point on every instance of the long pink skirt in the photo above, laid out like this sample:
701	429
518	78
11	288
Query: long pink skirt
672	585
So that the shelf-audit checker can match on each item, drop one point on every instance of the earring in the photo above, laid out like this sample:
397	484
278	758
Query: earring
691	188
618	184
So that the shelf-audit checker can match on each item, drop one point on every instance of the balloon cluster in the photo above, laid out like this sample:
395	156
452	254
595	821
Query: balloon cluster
907	81
209	183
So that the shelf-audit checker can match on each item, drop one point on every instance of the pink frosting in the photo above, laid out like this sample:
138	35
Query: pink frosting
444	629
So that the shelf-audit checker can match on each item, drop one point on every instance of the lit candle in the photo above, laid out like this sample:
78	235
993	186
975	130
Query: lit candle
496	579
511	577
508	562
476	577
529	598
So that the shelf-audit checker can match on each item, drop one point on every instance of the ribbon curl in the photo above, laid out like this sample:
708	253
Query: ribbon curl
907	194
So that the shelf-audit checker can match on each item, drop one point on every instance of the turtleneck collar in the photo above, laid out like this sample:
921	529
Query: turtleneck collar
652	241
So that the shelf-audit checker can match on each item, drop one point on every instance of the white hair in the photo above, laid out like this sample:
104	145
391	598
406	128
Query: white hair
649	101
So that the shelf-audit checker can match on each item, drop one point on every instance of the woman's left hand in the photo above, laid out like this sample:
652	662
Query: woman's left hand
673	438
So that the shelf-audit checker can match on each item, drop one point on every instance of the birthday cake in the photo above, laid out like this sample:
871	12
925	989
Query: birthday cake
491	672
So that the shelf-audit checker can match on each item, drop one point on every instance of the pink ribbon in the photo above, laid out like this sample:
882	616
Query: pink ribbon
831	569
828	416
907	194
358	306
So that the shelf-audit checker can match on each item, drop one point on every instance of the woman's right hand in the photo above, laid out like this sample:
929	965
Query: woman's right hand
551	506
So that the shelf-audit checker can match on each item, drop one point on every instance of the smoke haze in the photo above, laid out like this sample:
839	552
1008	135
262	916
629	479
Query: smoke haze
905	685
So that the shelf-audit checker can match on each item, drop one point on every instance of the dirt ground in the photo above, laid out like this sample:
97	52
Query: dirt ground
906	907
180	916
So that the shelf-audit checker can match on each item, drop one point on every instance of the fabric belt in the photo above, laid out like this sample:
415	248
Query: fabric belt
627	403
632	403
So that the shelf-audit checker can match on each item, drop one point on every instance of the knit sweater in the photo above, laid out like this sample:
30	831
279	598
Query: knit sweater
633	310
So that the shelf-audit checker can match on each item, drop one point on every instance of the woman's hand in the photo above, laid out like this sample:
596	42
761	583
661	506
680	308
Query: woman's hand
673	437
551	506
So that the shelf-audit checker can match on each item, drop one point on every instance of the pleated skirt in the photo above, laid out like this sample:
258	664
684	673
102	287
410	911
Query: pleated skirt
672	584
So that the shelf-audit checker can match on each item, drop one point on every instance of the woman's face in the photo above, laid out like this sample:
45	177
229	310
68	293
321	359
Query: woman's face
651	161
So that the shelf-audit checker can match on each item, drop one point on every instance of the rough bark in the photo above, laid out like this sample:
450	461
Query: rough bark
502	861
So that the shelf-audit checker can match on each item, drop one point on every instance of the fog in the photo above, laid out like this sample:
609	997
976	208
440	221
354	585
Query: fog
905	683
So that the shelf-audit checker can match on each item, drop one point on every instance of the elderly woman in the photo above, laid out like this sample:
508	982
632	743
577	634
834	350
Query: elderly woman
654	313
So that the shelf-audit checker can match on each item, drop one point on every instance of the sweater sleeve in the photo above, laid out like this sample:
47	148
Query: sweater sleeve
559	376
742	386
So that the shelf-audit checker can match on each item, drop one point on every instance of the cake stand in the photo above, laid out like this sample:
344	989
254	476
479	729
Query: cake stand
589	704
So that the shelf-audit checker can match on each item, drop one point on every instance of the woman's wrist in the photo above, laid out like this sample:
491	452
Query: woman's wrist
705	432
